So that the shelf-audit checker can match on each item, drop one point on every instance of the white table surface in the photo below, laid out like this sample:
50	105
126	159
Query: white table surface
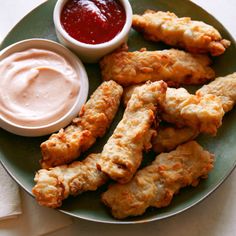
215	216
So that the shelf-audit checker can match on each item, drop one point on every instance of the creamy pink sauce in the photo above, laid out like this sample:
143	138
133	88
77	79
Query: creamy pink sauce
37	87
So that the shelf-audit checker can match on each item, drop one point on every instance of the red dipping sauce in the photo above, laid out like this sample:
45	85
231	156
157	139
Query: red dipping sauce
93	21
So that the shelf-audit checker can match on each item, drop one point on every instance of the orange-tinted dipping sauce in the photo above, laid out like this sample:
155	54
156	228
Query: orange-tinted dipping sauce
38	87
93	21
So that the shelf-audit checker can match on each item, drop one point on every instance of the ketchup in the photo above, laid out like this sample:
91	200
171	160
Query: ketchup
93	21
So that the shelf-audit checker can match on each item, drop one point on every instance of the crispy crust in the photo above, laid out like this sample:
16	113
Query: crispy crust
168	138
122	154
173	66
203	113
128	91
56	184
94	119
194	36
224	88
156	184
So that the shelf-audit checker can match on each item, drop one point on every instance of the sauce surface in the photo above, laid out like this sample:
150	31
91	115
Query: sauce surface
37	87
93	21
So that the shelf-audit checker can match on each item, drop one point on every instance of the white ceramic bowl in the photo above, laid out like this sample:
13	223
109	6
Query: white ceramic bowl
81	97
91	53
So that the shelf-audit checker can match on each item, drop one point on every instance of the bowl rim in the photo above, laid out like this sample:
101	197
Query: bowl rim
57	22
81	97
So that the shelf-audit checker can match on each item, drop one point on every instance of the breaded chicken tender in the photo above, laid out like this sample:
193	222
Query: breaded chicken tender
173	66
156	184
224	88
122	154
194	36
202	113
128	91
168	138
56	184
94	119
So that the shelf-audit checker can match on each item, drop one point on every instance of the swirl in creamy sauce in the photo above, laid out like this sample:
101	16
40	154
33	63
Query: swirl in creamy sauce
37	87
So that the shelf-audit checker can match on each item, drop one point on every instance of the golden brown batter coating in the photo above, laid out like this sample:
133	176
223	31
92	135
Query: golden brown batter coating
202	113
173	66
122	154
168	138
56	184
224	88
156	184
94	119
128	91
194	36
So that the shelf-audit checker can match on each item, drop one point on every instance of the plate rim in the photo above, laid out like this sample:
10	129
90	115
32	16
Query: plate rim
127	221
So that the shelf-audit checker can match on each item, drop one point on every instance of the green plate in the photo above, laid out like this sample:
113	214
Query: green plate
21	155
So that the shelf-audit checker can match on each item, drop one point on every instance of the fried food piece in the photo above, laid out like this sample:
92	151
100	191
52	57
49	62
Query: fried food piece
168	138
122	154
224	88
194	36
202	113
173	66
56	184
128	91
156	184
94	119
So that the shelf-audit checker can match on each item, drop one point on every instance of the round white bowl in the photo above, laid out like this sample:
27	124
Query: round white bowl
80	100
91	53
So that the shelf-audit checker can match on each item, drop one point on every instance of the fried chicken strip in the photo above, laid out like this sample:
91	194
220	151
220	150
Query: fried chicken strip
194	36
156	184
128	91
168	138
203	113
94	119
173	66
224	88
56	184
122	154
